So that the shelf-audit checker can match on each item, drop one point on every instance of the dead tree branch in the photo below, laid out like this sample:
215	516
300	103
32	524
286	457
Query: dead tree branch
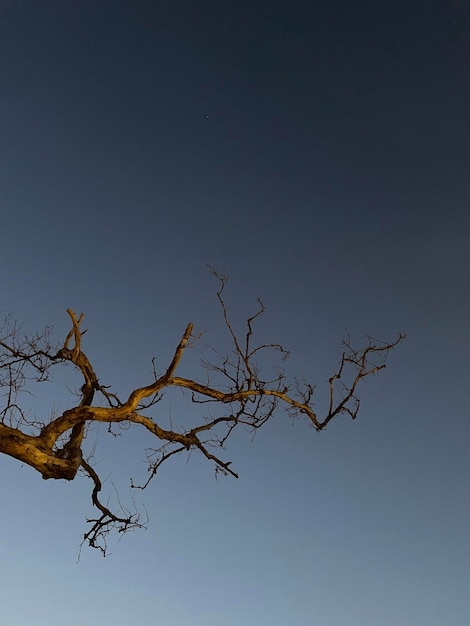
235	390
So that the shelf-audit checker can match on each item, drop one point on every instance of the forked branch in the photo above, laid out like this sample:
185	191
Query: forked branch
237	391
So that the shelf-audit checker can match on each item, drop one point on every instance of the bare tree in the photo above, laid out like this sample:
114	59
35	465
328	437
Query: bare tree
233	384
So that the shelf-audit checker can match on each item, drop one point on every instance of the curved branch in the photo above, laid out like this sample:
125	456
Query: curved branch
108	521
235	391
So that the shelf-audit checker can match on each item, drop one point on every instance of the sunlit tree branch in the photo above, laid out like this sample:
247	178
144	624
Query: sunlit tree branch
234	388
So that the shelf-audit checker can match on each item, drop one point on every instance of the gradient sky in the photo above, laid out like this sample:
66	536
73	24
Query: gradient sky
320	151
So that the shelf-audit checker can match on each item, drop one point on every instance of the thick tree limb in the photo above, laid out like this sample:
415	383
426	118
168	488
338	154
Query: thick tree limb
233	385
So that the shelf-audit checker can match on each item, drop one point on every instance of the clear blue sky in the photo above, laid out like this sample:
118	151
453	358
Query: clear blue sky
320	151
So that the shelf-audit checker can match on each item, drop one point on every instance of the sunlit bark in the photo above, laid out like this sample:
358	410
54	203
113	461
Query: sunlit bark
240	397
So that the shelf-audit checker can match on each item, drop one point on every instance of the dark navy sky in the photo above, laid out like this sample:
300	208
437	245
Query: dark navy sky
320	151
